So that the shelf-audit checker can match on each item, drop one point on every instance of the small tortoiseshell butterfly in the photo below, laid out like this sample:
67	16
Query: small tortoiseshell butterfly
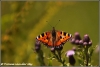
54	38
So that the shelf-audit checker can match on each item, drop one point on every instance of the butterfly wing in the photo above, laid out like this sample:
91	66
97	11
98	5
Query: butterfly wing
62	37
45	38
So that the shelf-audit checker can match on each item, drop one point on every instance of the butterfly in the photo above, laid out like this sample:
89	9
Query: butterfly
54	38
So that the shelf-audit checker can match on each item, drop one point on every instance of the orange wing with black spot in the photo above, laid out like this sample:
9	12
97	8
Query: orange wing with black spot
62	38
45	38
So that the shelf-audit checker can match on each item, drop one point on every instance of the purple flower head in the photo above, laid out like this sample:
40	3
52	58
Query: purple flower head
81	42
37	45
77	42
86	38
76	39
87	41
70	54
77	36
37	48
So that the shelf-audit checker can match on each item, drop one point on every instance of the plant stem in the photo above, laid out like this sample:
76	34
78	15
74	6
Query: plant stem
87	57
41	58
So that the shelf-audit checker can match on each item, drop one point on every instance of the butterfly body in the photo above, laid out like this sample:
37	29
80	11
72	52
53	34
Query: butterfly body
54	38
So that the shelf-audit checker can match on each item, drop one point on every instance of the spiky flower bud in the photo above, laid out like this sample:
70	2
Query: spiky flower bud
37	45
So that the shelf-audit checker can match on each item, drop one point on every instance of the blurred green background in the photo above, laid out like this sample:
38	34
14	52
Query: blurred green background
22	21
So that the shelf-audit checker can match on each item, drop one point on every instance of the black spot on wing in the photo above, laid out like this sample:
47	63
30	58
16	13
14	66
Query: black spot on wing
42	34
64	33
60	32
60	37
39	36
69	35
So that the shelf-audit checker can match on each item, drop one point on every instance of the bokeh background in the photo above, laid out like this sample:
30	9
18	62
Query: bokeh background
22	21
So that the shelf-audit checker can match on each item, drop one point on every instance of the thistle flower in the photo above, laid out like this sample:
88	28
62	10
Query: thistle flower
77	42
85	43
81	42
70	55
77	36
76	39
86	40
37	45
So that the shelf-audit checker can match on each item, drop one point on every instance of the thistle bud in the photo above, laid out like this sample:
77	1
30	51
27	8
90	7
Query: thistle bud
86	38
77	36
37	45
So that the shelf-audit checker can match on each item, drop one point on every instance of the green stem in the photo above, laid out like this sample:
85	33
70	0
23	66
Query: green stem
86	55
41	58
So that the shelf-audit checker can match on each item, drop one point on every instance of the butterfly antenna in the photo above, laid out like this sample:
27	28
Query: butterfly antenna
49	24
56	23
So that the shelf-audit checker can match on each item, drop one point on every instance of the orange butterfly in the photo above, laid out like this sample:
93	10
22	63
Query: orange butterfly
54	38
